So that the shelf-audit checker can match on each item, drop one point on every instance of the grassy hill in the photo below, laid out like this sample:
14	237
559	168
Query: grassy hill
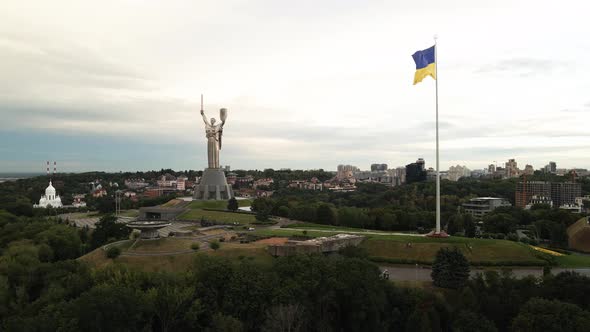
394	249
203	209
180	262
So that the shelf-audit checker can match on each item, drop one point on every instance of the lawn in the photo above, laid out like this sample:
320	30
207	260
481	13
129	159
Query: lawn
250	251
218	205
394	249
477	251
130	213
573	261
162	245
181	262
218	216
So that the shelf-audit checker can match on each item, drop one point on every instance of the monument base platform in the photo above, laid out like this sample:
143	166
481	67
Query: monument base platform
213	186
442	234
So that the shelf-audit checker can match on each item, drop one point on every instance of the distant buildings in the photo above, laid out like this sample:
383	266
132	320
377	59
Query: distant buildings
529	170
136	183
346	171
480	206
50	199
378	167
560	193
416	172
313	184
550	168
166	180
511	170
457	172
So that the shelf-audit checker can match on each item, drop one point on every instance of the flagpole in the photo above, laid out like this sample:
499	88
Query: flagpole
437	231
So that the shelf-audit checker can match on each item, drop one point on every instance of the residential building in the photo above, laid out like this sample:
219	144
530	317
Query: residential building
563	193
480	206
346	171
416	172
560	193
457	172
166	180
378	167
529	170
511	170
550	168
136	183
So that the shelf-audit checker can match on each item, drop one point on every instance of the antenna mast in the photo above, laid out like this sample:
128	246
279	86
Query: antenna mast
201	102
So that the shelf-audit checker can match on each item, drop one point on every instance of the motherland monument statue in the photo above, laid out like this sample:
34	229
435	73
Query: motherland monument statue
213	184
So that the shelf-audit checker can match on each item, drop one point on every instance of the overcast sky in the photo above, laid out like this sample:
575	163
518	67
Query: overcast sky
115	85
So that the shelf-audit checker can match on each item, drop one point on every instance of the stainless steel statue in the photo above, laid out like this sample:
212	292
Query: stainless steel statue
214	133
213	184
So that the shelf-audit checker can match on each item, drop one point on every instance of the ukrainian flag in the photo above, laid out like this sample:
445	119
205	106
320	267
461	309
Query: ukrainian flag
425	64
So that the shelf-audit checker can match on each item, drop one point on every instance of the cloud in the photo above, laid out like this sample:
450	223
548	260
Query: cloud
524	67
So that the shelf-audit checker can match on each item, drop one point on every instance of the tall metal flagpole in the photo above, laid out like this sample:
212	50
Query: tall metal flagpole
437	231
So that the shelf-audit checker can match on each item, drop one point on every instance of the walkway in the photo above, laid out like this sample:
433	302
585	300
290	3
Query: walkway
419	273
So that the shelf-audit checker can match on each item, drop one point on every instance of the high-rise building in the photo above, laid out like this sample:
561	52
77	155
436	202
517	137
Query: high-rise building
550	168
529	170
346	171
560	193
457	172
415	172
421	163
491	169
511	170
563	193
378	167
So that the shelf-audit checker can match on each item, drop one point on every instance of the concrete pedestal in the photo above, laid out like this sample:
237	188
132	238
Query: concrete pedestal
213	186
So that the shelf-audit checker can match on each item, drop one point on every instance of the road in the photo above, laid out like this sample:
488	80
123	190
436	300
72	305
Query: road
419	273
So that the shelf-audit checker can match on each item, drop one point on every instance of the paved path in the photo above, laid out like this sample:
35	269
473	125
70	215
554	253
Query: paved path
176	226
90	222
360	232
419	273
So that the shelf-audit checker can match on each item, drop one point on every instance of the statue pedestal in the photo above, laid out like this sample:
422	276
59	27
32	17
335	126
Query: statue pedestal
213	186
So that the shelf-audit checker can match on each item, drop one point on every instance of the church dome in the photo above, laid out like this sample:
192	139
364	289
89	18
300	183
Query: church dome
50	191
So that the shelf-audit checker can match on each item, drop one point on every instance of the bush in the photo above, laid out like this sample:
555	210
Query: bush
195	246
113	252
512	237
214	245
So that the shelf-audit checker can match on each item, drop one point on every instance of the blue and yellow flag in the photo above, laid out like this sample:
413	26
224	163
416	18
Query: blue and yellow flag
425	64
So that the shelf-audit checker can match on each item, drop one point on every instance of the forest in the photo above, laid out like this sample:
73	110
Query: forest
44	288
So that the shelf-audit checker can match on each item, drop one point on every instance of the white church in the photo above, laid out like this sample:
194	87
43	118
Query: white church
49	199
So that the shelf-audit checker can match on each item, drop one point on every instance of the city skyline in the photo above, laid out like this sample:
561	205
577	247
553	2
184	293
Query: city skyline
307	86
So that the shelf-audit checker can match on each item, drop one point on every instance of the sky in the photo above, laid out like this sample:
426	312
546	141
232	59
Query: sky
308	84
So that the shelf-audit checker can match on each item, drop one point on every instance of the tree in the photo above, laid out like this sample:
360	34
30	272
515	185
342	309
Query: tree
499	223
469	225
326	215
551	315
469	321
232	204
108	229
455	224
450	269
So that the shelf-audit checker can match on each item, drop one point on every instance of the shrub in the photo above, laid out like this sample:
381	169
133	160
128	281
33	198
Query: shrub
214	245
195	246
113	252
512	237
